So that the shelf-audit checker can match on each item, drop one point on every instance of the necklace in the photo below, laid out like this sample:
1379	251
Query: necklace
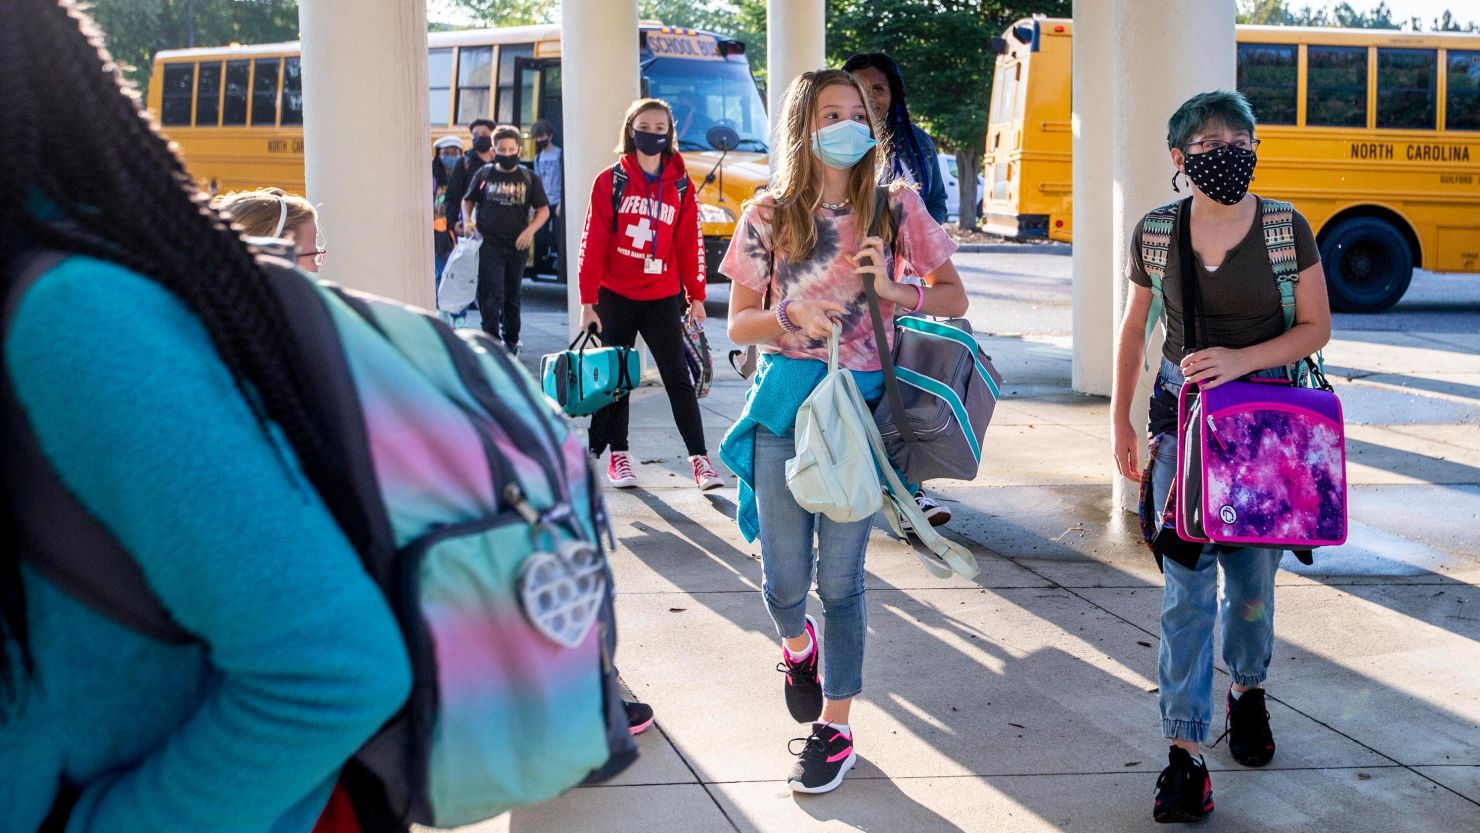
834	206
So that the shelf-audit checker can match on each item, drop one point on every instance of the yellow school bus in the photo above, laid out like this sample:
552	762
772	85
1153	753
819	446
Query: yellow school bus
236	112
1374	135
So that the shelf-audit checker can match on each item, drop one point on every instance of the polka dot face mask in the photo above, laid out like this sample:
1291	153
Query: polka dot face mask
1223	174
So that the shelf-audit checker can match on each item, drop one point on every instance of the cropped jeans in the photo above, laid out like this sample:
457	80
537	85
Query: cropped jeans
1190	605
787	562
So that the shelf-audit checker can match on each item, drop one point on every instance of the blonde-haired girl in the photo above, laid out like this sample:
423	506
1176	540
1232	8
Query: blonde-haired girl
798	260
273	212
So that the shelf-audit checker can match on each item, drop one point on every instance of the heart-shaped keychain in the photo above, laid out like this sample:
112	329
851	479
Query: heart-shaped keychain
562	590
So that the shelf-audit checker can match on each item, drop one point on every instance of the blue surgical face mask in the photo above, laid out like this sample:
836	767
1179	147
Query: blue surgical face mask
842	145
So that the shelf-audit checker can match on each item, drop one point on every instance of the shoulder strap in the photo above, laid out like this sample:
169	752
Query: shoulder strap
61	539
1156	242
619	186
1278	219
881	339
683	188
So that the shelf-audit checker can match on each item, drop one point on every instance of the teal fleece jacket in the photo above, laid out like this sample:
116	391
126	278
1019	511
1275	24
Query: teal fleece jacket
300	659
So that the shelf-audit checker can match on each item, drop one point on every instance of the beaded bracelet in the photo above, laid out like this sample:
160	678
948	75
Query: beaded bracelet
784	320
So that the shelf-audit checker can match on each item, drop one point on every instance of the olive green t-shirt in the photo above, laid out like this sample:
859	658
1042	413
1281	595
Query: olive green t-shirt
1241	302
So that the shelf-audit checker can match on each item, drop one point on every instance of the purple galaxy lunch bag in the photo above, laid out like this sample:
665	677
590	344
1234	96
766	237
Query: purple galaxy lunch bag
1261	463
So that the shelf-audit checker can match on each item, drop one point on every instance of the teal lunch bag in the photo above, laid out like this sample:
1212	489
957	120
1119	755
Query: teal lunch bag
584	379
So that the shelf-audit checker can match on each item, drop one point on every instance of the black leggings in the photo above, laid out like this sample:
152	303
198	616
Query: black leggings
660	323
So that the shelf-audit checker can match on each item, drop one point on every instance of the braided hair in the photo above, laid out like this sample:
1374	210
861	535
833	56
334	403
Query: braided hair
74	133
897	121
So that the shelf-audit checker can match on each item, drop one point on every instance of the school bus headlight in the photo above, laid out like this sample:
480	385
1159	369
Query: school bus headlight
715	214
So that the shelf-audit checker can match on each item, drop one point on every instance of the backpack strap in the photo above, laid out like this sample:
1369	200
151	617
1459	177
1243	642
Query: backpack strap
1156	242
619	187
1278	221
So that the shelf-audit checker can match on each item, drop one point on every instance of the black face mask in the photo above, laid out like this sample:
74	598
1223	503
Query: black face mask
483	144
1223	174
507	163
651	144
542	143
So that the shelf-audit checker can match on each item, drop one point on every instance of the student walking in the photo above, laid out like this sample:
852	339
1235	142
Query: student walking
549	166
641	268
446	154
180	421
461	175
1213	145
511	206
798	261
912	155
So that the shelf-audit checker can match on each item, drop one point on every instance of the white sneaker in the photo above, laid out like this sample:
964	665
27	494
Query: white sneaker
619	470
704	474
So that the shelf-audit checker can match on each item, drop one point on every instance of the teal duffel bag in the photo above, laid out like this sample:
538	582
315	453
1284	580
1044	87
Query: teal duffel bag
584	379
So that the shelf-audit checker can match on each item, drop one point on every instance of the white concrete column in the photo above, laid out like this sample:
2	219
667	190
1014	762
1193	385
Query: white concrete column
1165	54
598	52
1095	270
796	42
366	142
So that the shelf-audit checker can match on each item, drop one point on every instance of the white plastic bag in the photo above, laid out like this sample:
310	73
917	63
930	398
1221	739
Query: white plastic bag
459	285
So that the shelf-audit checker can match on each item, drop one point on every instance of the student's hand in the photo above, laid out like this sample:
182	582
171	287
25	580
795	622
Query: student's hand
698	313
815	317
1212	367
870	261
589	318
461	231
524	240
1125	445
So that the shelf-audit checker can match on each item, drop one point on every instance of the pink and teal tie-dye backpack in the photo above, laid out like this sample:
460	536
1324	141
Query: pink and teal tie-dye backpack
481	522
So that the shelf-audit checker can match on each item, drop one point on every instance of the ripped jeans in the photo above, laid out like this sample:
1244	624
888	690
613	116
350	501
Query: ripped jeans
1190	606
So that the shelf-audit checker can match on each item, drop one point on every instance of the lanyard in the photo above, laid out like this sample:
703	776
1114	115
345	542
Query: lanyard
657	213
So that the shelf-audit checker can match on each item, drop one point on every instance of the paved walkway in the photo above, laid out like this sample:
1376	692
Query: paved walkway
1025	700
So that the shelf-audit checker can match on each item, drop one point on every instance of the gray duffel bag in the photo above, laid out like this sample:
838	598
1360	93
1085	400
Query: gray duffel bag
945	385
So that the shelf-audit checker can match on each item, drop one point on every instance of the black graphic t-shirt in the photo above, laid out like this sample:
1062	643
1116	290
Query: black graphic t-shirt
503	200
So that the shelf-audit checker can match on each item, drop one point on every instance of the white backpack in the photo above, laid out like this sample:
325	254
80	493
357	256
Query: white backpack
833	472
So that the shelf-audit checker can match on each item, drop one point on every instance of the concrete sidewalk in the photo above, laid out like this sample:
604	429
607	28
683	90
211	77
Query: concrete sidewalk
1025	700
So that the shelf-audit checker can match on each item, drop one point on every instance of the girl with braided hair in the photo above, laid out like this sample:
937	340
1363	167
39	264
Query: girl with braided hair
176	417
912	155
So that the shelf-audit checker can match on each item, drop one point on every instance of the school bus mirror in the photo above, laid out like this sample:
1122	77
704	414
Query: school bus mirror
1024	34
998	45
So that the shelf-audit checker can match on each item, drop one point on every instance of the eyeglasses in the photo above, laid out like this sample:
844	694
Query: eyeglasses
1216	144
317	255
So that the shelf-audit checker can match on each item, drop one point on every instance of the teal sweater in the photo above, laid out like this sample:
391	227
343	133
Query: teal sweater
300	661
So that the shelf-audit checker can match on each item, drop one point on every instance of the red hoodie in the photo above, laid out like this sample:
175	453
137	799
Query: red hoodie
650	223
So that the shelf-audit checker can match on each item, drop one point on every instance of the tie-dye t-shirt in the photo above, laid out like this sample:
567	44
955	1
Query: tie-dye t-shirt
828	275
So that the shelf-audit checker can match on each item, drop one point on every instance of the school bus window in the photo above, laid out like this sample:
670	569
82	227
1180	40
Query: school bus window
439	80
208	95
1267	76
1336	86
265	92
179	81
1462	98
292	91
1406	83
506	58
234	110
474	65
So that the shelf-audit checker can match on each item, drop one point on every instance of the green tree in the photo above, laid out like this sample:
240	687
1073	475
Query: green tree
1343	15
510	12
942	50
136	29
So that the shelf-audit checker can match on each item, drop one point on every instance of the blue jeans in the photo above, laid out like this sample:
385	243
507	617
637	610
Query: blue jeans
787	559
1190	606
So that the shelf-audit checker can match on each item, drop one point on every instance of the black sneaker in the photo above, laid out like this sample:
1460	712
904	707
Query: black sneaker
1249	738
1184	792
803	684
825	758
639	716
